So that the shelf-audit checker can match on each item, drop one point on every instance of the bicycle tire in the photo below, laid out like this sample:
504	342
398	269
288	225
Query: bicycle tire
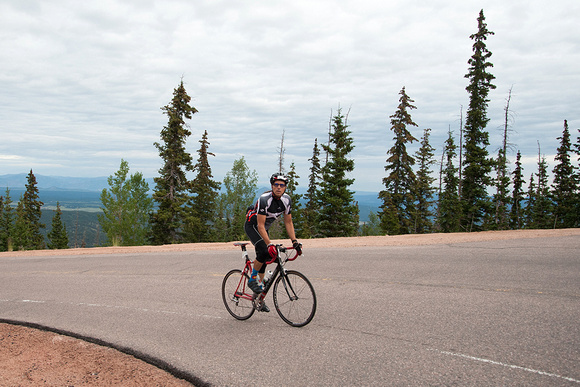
239	306
299	311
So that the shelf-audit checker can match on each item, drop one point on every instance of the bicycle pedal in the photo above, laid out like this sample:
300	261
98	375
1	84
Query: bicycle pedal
262	307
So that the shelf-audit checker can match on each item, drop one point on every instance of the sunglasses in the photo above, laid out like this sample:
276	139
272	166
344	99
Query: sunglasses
281	185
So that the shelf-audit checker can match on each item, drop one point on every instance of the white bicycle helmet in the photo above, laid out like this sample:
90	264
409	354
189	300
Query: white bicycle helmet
278	176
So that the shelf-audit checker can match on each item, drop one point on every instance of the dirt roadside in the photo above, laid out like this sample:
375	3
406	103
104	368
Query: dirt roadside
31	357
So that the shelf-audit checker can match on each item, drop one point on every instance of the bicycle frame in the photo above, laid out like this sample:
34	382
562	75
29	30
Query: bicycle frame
279	270
293	295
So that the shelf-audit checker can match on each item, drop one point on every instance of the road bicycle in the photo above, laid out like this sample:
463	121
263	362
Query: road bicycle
293	295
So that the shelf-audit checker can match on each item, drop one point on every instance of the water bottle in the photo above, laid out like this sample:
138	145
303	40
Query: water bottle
268	277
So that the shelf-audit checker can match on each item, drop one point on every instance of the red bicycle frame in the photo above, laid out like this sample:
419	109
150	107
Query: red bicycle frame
246	272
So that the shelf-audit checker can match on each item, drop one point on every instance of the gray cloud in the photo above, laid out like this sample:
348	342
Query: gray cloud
83	82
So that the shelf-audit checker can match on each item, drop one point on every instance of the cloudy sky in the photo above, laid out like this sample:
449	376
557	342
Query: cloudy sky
82	82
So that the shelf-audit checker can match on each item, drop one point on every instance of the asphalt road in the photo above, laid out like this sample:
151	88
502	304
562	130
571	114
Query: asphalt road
488	313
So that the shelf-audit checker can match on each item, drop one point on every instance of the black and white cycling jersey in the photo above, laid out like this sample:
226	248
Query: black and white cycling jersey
271	207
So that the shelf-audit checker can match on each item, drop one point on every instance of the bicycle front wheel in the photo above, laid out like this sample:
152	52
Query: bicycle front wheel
294	298
237	297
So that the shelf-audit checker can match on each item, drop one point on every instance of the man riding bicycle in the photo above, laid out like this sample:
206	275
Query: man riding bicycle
269	207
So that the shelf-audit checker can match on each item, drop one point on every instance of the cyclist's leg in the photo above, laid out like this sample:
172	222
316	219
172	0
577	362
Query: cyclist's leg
261	252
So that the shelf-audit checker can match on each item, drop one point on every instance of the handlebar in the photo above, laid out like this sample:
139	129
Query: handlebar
281	249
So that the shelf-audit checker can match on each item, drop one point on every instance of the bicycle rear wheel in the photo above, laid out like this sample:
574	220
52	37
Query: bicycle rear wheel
237	299
294	298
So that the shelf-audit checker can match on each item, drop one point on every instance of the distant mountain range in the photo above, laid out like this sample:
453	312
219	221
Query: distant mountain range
83	193
58	182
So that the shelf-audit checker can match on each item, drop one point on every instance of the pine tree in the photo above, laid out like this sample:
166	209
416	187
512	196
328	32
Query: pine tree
30	216
22	230
516	212
6	222
543	205
529	210
204	197
338	213
501	199
449	216
577	173
424	188
171	188
477	166
126	208
312	195
297	210
389	215
565	186
398	197
57	237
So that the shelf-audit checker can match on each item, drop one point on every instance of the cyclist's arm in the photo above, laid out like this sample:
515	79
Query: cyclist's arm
289	226
262	228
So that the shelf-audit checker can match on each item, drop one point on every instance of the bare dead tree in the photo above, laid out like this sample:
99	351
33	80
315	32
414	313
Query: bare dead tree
281	152
502	183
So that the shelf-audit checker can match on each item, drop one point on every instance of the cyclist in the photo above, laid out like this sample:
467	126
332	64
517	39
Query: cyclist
270	206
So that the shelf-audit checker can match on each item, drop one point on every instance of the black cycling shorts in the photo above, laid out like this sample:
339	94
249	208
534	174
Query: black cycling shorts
262	254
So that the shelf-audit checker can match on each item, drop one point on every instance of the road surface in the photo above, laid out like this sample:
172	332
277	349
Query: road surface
502	312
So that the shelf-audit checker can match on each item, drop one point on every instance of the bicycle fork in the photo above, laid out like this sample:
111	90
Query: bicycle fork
287	285
289	289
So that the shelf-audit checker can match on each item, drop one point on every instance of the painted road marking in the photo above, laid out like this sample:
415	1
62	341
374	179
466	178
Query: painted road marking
512	366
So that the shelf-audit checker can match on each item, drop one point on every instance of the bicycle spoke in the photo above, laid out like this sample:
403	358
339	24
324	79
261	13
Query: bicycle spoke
294	299
238	303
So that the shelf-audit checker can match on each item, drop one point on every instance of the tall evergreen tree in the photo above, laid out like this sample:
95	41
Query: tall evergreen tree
6	222
204	197
171	190
398	197
529	210
57	237
477	166
424	188
543	204
338	213
501	199
297	210
577	173
240	191
449	216
577	146
30	216
565	185
22	230
126	208
516	212
312	195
